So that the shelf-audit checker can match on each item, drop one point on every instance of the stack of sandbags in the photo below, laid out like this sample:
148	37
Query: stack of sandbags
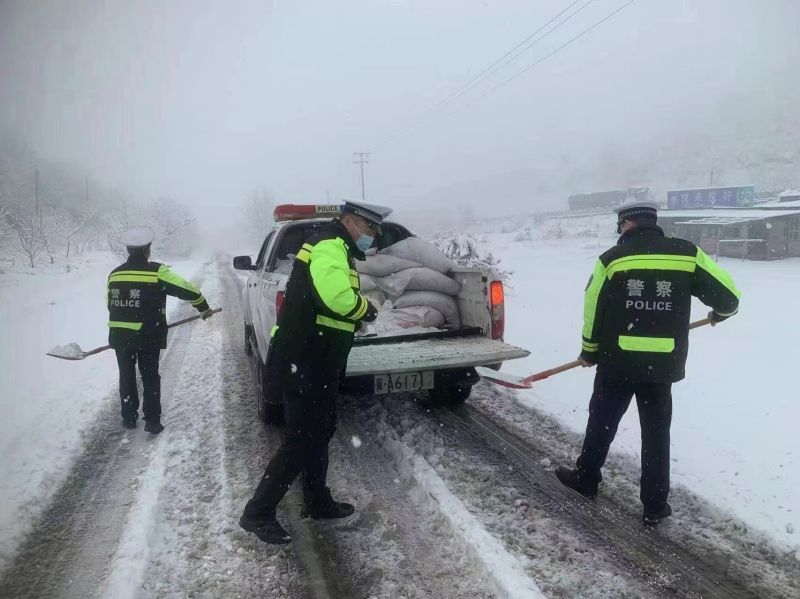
411	273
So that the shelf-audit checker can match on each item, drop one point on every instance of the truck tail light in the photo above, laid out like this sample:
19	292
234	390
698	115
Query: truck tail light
279	303
498	301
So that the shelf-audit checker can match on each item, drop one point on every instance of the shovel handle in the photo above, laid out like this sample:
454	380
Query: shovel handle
191	318
700	323
546	374
97	350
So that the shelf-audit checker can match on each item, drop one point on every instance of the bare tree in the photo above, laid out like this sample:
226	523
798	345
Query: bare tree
258	213
29	226
69	224
6	222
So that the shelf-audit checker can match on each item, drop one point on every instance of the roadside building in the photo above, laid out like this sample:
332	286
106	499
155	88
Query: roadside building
766	232
607	199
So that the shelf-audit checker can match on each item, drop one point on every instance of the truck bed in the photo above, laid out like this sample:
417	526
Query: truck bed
414	355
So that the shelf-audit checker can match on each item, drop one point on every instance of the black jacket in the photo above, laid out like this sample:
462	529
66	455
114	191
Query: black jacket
321	311
638	302
137	301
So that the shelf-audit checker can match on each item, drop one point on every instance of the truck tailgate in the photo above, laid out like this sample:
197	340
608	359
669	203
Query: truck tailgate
430	354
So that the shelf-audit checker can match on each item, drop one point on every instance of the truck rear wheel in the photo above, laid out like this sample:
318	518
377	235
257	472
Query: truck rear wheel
269	412
248	349
454	395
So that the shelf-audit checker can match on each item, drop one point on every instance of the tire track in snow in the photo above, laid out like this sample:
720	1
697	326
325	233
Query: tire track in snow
70	548
392	546
646	548
557	552
199	549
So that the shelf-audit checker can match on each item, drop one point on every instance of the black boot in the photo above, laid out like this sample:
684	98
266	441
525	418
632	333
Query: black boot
652	518
269	530
328	511
129	422
153	426
576	480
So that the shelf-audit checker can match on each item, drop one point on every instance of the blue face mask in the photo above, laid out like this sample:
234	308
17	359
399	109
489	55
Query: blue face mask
364	242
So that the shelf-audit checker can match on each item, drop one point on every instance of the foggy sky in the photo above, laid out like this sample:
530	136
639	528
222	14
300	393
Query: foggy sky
205	100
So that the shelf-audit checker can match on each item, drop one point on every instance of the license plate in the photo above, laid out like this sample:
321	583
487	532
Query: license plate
407	381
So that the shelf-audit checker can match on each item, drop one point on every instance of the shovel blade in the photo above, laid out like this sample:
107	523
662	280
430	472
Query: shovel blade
71	351
81	357
502	378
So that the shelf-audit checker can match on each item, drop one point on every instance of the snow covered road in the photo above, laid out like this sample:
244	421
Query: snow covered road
444	509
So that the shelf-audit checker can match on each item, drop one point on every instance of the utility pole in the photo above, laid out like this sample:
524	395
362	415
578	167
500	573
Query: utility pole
36	194
363	158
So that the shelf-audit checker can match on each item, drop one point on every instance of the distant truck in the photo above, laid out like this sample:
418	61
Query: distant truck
607	199
440	362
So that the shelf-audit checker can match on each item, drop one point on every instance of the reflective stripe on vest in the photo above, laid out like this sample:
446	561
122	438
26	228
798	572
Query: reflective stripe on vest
652	262
133	277
304	255
117	324
335	324
660	345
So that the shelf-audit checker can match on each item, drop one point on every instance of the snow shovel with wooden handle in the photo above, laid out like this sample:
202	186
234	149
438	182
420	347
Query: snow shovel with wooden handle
515	382
73	351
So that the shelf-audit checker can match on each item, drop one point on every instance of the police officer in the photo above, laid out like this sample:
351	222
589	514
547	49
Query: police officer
322	309
137	297
636	329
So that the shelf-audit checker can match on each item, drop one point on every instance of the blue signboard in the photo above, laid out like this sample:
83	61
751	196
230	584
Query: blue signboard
725	197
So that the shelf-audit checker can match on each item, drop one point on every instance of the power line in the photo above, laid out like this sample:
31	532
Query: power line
522	47
532	65
491	68
557	50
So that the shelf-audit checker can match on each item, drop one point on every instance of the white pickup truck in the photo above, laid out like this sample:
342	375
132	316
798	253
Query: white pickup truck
440	361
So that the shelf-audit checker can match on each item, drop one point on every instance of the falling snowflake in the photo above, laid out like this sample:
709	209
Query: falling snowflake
355	441
294	368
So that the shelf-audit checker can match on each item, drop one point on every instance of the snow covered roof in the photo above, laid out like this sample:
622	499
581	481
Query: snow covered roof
789	193
738	214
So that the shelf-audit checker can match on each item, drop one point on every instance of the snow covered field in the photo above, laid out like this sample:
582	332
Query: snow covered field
734	439
47	403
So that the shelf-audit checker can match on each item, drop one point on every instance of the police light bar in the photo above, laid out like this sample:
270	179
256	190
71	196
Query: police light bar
285	212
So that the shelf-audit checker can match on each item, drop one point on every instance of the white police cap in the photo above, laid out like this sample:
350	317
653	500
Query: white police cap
640	209
371	212
137	237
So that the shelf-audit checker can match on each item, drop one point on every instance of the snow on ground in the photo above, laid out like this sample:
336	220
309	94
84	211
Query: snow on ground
734	418
48	403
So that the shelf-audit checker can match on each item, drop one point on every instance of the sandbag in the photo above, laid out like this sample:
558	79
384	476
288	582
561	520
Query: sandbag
380	266
375	296
367	283
417	279
444	303
394	285
421	251
428	279
423	316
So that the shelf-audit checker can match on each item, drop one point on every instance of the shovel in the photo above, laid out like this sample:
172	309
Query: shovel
515	382
73	351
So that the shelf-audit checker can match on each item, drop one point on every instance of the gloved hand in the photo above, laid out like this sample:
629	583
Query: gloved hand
716	318
587	360
207	314
371	314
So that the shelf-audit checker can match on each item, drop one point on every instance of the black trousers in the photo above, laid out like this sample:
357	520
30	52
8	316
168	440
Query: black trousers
310	423
609	402
147	358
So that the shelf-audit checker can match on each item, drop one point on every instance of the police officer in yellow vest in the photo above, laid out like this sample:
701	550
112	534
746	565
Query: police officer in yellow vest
137	297
322	309
636	329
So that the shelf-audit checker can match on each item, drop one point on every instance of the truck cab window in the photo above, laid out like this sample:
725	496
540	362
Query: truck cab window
262	252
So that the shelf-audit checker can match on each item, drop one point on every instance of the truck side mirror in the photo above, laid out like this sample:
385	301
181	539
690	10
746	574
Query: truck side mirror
243	263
